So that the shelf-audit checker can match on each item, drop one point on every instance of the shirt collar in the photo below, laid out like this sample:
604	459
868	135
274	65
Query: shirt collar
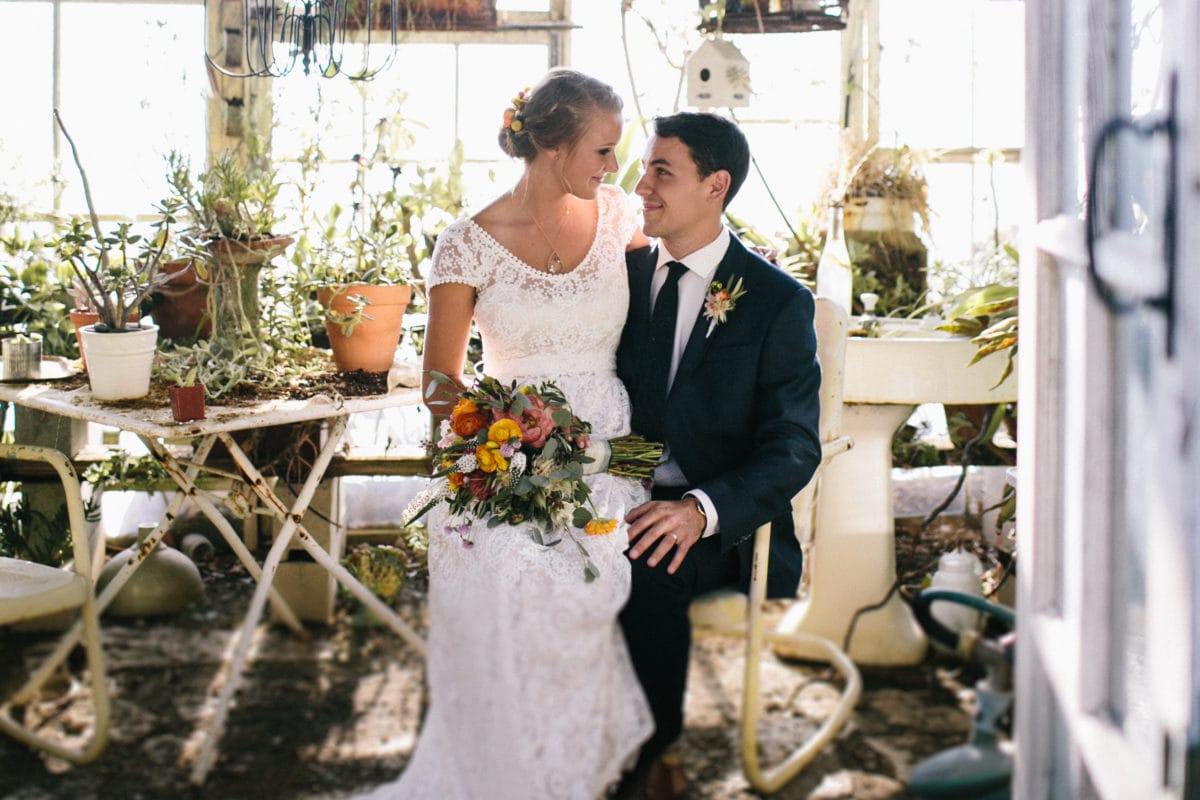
703	262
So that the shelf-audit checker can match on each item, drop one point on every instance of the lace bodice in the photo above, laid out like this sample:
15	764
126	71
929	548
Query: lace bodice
538	326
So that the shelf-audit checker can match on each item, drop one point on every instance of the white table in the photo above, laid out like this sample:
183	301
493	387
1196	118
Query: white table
153	426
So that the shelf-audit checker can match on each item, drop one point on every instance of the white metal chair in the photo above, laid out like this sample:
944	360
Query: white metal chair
731	613
29	590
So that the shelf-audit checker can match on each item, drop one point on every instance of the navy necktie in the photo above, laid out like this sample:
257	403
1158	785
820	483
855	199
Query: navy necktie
660	350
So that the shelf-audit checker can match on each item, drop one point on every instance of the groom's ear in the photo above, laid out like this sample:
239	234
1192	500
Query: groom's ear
717	186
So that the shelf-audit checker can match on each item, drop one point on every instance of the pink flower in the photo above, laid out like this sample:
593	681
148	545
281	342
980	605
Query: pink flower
537	422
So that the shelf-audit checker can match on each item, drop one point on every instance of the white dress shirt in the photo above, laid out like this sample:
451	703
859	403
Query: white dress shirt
693	287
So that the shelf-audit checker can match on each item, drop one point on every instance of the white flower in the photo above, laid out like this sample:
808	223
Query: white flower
517	465
434	493
448	435
467	463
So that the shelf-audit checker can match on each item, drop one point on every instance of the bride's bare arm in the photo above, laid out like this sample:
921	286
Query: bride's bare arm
451	306
638	241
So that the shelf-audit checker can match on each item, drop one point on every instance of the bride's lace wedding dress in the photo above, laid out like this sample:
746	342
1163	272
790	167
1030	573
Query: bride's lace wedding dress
532	694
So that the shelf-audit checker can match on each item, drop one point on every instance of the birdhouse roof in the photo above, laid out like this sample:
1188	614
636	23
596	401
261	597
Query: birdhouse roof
719	48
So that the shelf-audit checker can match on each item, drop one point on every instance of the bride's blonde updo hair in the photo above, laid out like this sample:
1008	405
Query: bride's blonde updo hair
554	113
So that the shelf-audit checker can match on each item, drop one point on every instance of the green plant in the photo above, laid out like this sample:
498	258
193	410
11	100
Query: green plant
233	199
31	535
124	472
386	232
869	170
119	270
33	293
988	314
181	366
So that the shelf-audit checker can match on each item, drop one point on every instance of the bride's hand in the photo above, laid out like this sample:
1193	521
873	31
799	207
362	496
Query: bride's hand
769	253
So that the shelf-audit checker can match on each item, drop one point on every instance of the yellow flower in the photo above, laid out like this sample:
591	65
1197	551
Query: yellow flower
598	527
516	126
503	431
489	457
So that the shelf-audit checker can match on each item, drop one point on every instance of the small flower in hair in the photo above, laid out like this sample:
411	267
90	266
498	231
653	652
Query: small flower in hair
512	115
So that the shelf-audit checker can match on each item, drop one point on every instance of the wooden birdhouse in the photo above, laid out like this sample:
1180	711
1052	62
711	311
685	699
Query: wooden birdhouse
718	76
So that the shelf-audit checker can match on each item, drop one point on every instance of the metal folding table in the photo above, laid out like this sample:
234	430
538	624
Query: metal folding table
153	426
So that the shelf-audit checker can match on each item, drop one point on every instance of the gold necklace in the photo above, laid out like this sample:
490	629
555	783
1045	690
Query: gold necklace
554	263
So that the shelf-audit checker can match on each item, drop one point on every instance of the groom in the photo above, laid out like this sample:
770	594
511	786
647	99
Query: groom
719	356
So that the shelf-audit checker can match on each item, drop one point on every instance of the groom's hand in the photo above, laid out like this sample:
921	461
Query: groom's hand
659	526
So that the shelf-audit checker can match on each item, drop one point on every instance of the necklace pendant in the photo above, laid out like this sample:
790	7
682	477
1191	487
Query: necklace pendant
554	264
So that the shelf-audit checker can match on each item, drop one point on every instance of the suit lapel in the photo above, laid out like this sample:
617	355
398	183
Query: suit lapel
698	340
641	268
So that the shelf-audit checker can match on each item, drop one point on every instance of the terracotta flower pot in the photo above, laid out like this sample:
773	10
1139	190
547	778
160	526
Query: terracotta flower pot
187	402
79	319
370	344
181	304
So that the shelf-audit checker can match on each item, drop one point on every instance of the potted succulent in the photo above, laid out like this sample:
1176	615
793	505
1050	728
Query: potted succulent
230	217
182	369
885	205
117	270
884	190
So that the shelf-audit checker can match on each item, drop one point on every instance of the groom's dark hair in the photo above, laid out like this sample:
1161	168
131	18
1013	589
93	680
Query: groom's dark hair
714	143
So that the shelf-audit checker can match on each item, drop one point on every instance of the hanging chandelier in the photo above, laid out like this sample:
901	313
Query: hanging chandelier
270	38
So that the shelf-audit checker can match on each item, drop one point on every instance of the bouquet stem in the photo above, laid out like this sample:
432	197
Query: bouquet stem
634	457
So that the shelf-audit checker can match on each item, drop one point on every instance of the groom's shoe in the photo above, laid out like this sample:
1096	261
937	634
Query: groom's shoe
661	779
666	779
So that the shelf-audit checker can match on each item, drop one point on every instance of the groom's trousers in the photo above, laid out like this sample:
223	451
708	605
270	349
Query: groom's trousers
657	630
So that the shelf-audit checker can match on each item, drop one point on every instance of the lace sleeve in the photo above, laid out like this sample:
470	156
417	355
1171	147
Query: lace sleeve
454	259
621	208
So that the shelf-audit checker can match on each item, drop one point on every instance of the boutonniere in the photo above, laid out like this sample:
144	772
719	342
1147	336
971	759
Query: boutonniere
720	301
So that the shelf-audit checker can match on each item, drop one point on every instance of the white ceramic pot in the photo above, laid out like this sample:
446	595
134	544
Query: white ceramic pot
118	364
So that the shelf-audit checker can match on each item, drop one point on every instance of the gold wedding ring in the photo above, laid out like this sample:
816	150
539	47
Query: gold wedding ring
675	538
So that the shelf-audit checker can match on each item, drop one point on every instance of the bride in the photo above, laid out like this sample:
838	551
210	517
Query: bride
532	694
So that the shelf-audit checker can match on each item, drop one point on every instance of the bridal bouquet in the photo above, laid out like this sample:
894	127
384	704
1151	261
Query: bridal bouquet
517	455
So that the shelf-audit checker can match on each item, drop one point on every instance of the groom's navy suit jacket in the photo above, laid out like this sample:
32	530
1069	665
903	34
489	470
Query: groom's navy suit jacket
742	411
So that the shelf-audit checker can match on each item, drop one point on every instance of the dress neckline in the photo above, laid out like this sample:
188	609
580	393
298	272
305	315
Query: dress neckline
586	256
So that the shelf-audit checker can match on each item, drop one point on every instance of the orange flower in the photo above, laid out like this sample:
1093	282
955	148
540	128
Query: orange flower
504	431
598	527
489	457
467	419
456	480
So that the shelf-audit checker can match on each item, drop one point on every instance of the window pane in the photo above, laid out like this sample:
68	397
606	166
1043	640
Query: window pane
127	105
952	75
490	75
26	138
